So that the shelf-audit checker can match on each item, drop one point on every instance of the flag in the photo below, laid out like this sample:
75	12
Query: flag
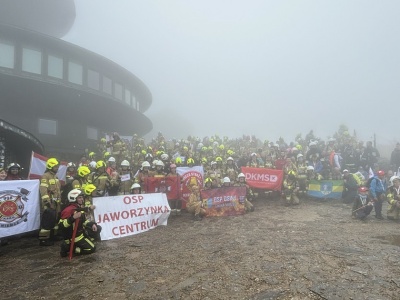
169	185
38	167
190	176
224	201
261	178
370	173
325	189
19	207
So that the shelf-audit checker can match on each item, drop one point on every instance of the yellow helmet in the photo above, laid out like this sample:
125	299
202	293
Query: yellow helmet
106	155
103	140
185	148
51	162
100	164
204	160
92	154
190	161
89	189
178	160
144	152
208	179
221	147
83	171
218	158
292	172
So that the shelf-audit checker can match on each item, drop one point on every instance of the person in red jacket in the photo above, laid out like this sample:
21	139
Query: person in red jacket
86	232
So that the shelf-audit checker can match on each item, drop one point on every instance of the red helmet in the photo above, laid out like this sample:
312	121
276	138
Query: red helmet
362	189
381	173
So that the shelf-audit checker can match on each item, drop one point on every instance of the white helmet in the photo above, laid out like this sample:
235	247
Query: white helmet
135	186
227	180
229	158
393	178
125	163
145	164
299	155
164	156
310	168
241	175
111	159
253	154
213	163
148	155
93	164
73	194
312	144
71	164
159	163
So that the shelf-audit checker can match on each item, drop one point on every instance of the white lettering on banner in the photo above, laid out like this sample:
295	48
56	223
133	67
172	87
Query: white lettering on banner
126	215
261	177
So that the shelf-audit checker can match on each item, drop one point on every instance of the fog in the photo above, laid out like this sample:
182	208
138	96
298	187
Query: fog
268	68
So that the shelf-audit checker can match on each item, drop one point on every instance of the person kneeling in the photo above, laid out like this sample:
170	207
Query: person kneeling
85	232
195	204
362	205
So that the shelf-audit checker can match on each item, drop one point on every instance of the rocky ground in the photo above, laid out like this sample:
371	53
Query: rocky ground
311	251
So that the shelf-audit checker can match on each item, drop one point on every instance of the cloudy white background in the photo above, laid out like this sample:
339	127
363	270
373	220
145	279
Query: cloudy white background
269	68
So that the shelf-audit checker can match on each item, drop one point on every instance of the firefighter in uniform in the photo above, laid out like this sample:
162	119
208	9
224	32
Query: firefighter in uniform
290	188
86	231
393	198
100	179
195	204
241	181
126	178
50	195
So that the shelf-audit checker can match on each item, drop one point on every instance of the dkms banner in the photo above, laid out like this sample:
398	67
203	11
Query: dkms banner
326	189
169	185
126	215
224	201
190	176
261	178
19	207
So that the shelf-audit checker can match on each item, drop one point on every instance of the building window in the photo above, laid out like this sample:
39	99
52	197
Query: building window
6	55
92	133
55	67
127	96
118	91
93	80
75	72
133	103
47	126
107	85
31	61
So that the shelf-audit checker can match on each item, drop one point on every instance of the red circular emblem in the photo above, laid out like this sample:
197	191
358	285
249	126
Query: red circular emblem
8	208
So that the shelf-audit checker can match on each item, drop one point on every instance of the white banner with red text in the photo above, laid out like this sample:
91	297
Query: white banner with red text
261	178
19	207
126	215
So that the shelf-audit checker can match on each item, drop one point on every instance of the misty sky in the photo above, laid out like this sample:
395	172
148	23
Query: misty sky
269	68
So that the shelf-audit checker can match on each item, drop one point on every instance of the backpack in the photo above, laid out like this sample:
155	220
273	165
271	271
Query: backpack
368	183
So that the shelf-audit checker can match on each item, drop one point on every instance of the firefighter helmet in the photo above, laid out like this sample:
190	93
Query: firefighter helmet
74	194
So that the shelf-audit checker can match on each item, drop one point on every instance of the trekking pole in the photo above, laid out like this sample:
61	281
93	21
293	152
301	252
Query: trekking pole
71	248
364	206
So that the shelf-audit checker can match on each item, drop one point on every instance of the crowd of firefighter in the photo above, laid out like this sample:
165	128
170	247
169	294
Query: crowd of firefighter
119	166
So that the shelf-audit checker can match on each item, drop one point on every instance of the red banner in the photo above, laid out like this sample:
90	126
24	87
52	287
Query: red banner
169	185
266	179
224	201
